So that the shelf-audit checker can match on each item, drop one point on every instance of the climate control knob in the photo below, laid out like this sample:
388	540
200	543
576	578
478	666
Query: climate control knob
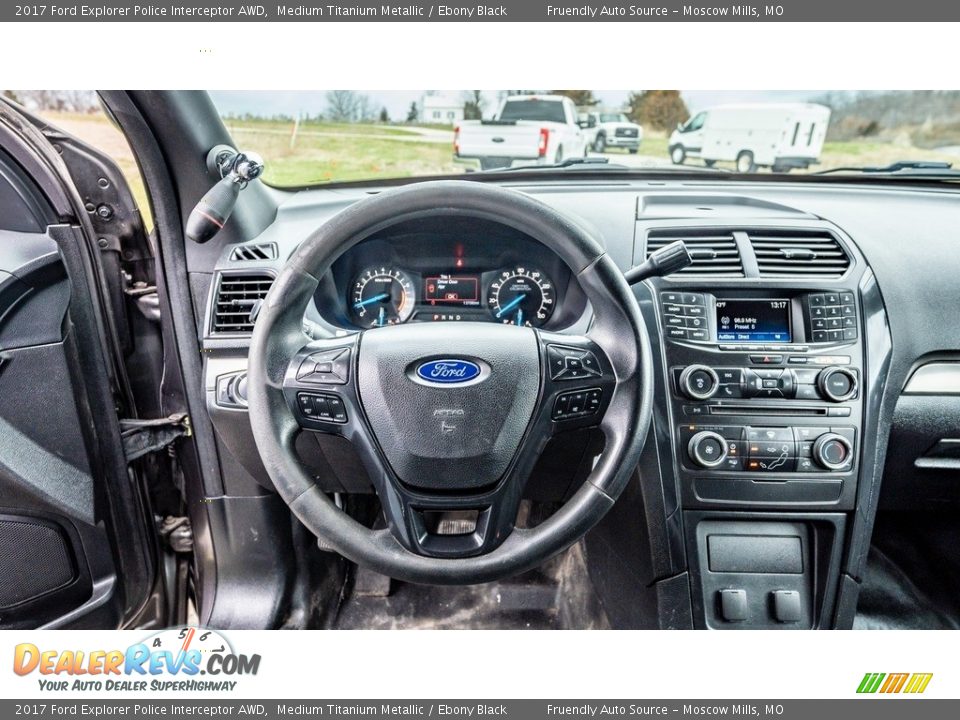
699	382
832	451
707	449
837	383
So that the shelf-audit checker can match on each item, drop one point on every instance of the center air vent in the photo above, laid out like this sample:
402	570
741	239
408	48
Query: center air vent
714	251
798	253
262	251
238	300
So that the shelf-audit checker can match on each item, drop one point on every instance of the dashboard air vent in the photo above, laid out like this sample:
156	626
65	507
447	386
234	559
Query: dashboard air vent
263	251
798	253
238	301
714	251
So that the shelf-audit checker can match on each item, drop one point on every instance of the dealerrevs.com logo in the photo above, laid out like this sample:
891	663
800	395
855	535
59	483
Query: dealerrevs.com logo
182	660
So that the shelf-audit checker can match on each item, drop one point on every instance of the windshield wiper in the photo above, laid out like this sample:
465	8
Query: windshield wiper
943	168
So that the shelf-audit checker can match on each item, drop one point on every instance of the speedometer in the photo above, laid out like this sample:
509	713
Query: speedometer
382	296
521	296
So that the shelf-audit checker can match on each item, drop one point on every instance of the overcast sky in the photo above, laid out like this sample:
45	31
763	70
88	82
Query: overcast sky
398	101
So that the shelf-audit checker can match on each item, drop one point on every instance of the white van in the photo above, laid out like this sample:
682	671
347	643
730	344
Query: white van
779	136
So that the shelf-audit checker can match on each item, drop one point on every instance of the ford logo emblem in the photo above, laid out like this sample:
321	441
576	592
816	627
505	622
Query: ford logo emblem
448	371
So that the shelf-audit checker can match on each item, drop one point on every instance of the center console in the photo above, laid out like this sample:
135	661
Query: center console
765	395
765	388
771	357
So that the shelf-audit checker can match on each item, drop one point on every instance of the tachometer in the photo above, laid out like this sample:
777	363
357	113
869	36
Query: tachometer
521	296
382	296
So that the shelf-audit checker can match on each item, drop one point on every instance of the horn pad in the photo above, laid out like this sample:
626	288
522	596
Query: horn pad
457	423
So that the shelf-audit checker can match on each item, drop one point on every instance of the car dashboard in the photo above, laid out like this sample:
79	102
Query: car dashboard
783	357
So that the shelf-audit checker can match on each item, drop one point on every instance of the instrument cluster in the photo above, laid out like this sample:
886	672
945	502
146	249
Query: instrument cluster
449	272
387	295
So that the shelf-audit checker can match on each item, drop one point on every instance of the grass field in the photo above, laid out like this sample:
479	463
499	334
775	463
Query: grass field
323	152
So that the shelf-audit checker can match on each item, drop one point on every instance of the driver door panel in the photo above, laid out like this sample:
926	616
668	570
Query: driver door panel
57	556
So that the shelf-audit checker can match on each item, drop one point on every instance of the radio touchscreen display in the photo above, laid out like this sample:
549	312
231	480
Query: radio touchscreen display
750	320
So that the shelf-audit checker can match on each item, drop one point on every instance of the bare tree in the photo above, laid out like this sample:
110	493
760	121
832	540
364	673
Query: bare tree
364	109
341	105
349	106
473	105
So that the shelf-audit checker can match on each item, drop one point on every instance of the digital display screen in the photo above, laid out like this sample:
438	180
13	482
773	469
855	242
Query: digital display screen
452	290
744	320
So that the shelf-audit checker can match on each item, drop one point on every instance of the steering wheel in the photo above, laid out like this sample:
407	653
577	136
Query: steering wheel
450	417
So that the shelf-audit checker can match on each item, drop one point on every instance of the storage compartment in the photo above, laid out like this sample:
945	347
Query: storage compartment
756	553
754	571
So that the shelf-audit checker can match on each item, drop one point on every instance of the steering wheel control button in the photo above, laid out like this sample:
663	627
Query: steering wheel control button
325	407
699	382
567	363
328	367
577	404
707	449
733	605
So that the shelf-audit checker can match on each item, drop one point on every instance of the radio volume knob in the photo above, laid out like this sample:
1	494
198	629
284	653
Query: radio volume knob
699	382
832	451
837	383
707	449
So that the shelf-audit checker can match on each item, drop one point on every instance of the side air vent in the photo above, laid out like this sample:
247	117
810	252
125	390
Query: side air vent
714	251
238	301
798	253
263	251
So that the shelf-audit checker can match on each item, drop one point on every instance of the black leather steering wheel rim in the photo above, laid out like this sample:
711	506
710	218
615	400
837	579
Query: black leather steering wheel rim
617	328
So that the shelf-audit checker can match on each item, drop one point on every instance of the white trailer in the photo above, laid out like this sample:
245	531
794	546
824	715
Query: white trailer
780	136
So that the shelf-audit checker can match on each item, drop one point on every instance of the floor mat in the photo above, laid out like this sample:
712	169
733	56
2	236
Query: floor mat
911	580
556	596
889	600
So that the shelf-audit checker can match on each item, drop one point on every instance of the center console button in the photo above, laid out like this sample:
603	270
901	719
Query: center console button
729	375
769	434
807	432
707	449
699	382
837	383
833	451
731	391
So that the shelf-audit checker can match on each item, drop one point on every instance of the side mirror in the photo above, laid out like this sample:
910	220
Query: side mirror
680	127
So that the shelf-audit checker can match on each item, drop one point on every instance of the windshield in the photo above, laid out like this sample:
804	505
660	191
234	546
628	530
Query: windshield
533	110
310	138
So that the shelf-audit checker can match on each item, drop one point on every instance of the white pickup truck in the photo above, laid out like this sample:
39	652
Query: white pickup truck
611	129
526	130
